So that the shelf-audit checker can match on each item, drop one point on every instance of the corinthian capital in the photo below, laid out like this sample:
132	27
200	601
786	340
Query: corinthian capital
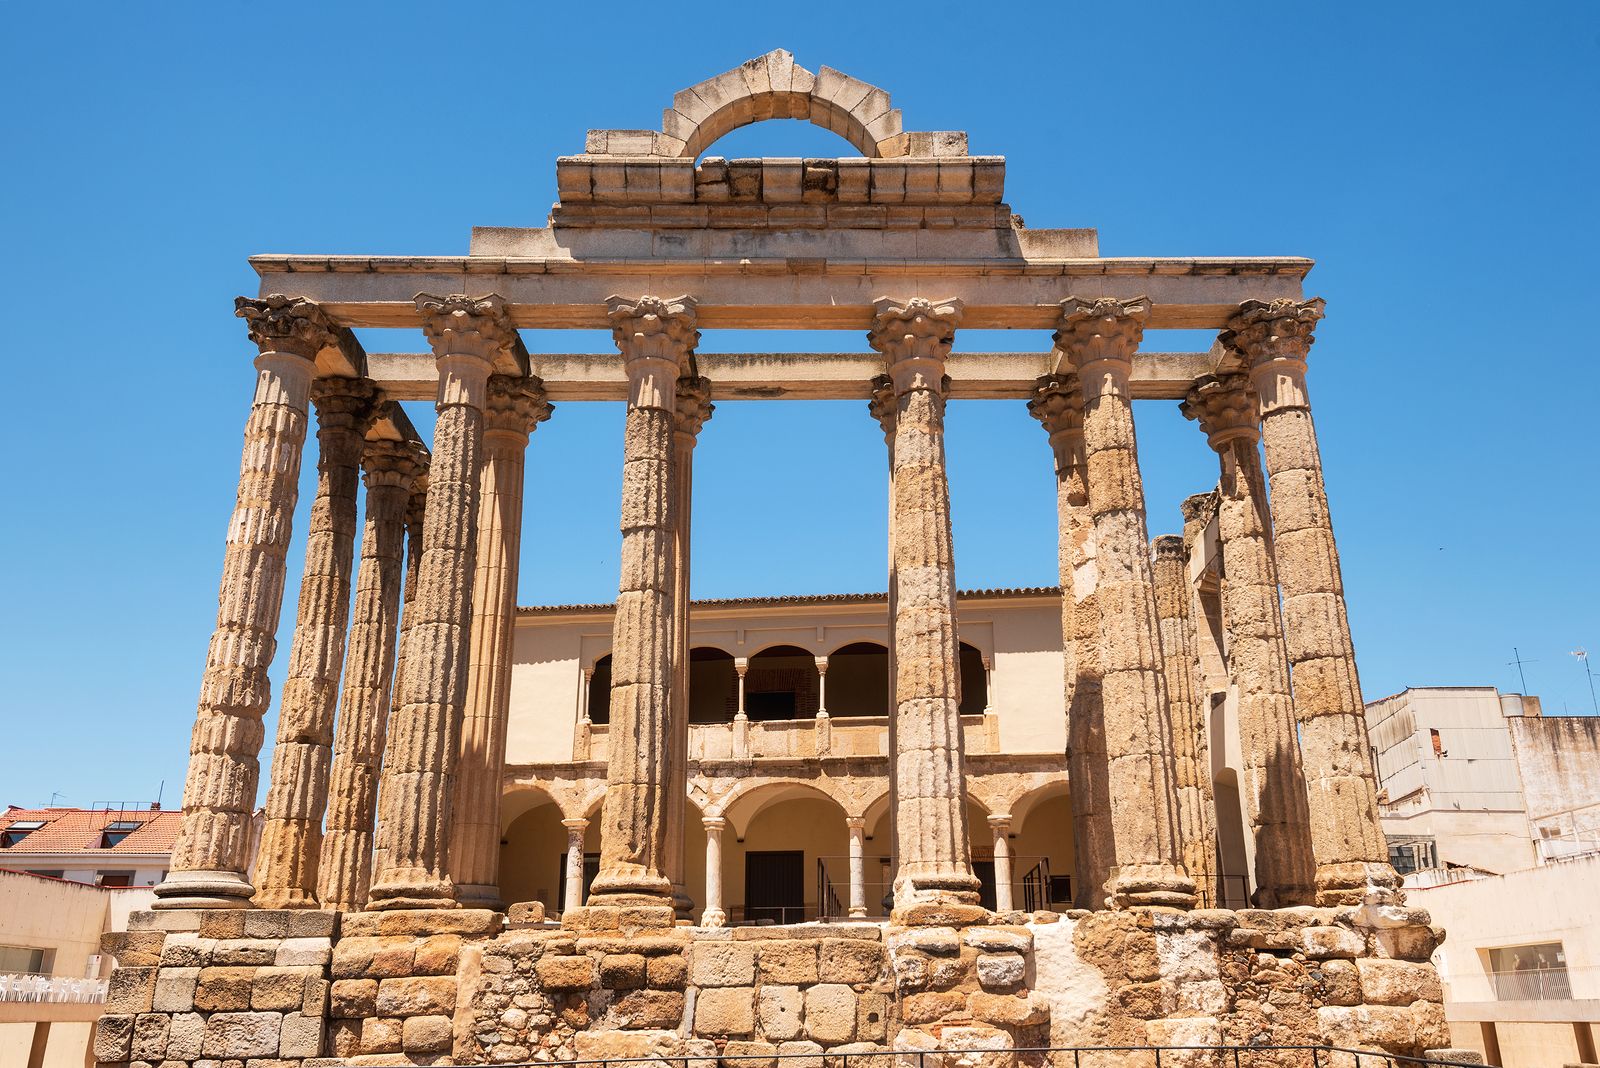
882	406
1225	407
459	325
514	405
914	336
345	403
1101	329
1057	403
286	324
653	328
694	405
1273	330
391	463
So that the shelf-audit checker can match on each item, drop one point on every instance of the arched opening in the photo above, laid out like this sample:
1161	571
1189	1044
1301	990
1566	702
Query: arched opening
713	686
785	856
858	680
599	706
533	850
781	683
1042	849
974	682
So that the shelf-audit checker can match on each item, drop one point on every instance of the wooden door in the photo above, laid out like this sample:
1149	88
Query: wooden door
775	886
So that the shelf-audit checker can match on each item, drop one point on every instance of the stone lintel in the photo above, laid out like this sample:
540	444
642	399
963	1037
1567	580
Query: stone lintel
799	375
393	424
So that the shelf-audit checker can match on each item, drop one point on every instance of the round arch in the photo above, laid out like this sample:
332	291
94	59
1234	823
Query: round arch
858	680
781	683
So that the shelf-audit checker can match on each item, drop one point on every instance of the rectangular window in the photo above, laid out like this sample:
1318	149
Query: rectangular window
114	833
1530	973
21	960
17	831
115	879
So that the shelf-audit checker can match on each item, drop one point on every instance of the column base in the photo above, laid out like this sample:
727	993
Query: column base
682	903
418	891
203	890
480	896
285	899
1150	886
714	918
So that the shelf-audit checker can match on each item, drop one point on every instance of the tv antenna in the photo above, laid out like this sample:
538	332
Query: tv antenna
1583	655
1517	661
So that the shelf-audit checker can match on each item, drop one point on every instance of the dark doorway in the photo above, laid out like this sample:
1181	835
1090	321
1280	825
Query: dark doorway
775	886
984	870
591	868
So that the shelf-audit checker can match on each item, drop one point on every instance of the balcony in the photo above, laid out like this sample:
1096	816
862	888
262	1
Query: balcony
794	739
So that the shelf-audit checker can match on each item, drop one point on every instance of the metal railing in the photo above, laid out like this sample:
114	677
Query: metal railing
1053	1056
1532	984
1569	846
15	986
1223	891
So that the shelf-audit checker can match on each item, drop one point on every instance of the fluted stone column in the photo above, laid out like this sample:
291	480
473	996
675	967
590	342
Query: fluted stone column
1271	779
656	338
934	876
1058	405
1274	338
1197	831
1000	827
884	408
576	829
390	472
297	792
211	854
416	508
515	407
694	407
713	916
467	334
1099	339
857	826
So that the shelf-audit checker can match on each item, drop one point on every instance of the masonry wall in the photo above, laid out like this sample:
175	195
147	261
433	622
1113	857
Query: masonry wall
1559	761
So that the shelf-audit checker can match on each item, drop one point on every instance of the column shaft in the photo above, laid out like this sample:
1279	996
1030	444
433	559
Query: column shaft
345	870
574	891
713	916
934	876
515	407
693	408
1099	338
1347	841
656	338
1058	405
291	837
1000	827
415	510
857	826
424	736
211	854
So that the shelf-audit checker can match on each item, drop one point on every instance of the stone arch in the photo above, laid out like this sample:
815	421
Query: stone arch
774	86
744	803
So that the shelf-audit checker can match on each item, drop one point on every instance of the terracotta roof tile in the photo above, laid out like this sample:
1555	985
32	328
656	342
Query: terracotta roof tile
79	830
797	600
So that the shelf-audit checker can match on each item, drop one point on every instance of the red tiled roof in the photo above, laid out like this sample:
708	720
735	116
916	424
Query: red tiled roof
78	830
798	599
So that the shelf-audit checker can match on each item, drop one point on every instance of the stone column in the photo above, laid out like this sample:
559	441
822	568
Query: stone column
857	826
1098	338
741	721
297	792
467	334
515	407
824	722
1201	862
713	915
211	854
415	510
1058	405
1196	828
1000	827
934	878
694	407
575	832
391	469
656	338
883	408
1348	844
1271	778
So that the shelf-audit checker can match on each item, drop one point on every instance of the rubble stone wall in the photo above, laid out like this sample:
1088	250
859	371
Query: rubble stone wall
304	989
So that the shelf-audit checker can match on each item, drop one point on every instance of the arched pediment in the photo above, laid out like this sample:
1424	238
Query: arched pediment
774	86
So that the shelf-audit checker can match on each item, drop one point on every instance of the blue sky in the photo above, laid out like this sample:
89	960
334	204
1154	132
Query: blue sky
1437	160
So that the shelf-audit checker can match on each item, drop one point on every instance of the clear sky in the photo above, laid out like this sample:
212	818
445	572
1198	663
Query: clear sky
1437	160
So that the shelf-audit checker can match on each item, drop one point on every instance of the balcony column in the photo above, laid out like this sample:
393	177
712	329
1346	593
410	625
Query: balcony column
576	829
824	722
468	335
1058	405
857	826
212	851
390	471
713	915
297	791
1099	339
934	880
1351	855
585	729
1000	827
741	721
1174	598
656	338
515	407
694	407
1271	778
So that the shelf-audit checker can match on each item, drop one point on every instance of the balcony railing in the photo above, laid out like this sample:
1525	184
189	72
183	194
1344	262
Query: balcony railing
60	989
1532	984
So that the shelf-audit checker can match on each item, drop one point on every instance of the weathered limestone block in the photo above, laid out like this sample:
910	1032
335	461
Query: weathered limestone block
722	964
667	973
224	989
426	1034
622	971
725	1011
800	1054
438	955
1322	943
224	923
1340	983
150	1036
831	1013
381	1035
174	990
1397	982
845	960
131	990
186	1037
1001	971
780	1009
280	989
354	998
113	1036
644	1009
134	949
1383	1026
1007	1010
253	952
566	973
295	952
300	1036
792	962
240	1035
750	1055
417	996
